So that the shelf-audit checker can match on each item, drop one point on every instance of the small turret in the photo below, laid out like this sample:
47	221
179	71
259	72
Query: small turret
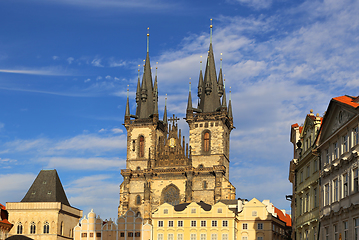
127	113
230	114
165	111
189	103
220	80
200	82
224	100
138	91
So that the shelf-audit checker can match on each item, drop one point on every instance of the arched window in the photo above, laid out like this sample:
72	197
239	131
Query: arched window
141	152
138	199
46	227
206	139
19	228
62	228
138	168
170	195
32	228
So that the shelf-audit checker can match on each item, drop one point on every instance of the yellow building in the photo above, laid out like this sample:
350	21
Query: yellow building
129	226
194	221
44	213
262	221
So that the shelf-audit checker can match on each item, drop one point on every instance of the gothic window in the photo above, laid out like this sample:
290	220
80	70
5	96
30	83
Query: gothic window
170	195
46	227
32	228
141	152
19	228
204	184
138	200
62	228
138	168
206	141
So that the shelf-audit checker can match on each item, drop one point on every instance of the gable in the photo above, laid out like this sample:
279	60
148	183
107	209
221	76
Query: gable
337	115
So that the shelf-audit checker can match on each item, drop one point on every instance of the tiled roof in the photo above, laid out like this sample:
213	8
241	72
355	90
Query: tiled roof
2	206
4	215
347	100
284	217
294	125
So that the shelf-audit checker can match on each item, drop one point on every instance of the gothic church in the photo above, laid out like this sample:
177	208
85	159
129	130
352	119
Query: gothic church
160	166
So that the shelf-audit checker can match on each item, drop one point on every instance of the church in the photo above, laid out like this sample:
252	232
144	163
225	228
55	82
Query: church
160	166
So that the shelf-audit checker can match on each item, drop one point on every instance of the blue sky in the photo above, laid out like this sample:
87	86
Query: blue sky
65	66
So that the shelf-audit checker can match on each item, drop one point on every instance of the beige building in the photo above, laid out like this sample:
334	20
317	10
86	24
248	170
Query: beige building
262	221
161	167
5	225
338	147
127	227
44	213
304	176
194	221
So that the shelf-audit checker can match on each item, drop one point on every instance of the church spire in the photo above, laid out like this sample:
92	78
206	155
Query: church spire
220	80
230	115
189	104
165	111
200	81
224	100
127	113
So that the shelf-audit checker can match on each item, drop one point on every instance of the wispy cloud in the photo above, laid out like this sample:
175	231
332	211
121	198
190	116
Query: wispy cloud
47	71
114	164
70	60
97	62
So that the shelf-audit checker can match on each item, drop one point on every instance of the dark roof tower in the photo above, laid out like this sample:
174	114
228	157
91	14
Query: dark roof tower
47	187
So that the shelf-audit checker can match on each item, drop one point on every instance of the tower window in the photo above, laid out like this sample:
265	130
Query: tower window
142	147
204	185
32	228
46	227
19	228
138	200
206	143
133	145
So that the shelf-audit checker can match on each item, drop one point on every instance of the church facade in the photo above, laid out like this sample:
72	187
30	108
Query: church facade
161	167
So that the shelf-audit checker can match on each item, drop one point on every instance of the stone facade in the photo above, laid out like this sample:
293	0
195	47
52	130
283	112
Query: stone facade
161	167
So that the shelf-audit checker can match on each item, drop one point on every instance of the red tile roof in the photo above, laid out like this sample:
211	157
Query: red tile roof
347	100
2	206
284	217
295	125
300	129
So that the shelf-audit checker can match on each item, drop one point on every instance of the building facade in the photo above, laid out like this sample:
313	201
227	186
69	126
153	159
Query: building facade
338	148
161	167
304	176
262	221
194	221
5	225
45	212
127	227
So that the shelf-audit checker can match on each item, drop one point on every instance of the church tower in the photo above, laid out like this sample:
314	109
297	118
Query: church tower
160	166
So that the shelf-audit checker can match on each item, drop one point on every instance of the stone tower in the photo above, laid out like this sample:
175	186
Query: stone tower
160	166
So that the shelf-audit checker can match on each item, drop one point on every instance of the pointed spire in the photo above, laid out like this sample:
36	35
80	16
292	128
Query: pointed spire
127	113
220	80
138	91
189	104
165	111
200	81
210	26
230	115
224	100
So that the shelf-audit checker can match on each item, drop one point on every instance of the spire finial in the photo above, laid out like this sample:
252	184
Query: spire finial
221	62
148	39
156	68
230	94
190	84
138	70
201	63
210	26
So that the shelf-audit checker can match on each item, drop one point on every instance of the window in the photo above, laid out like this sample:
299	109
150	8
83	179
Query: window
345	185
203	236
245	238
203	223
336	234
260	226
327	156
165	211
315	191
345	144
356	228
254	213
301	176
137	234
335	147
355	179
91	235
170	236
193	210
46	227
193	236
307	202
19	228
214	223
160	223
306	235
160	236
224	223
326	194
300	206
180	223
308	171
138	200
32	228
84	235
141	147
130	234
225	236
315	165
62	228
194	223
122	234
204	185
180	236
326	233
133	145
314	233
214	236
219	210
335	190
98	235
355	136
245	226
170	223
345	227
259	238
206	142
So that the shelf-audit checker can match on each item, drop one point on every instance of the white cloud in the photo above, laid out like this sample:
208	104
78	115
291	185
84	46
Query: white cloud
70	60
116	79
84	163
97	62
55	57
102	130
108	77
16	186
114	63
117	130
98	78
47	71
87	80
256	4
